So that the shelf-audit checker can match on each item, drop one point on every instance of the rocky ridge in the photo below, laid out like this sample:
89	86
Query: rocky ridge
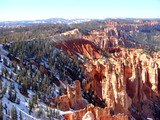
128	81
114	34
73	42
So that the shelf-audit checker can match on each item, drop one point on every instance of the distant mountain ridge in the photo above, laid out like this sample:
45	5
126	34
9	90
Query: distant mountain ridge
43	21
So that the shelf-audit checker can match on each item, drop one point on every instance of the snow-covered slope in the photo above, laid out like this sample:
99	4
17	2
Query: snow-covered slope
14	95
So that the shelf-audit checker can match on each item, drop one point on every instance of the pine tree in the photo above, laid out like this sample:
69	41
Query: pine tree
30	106
4	89
50	113
30	72
35	98
24	88
13	113
35	83
4	71
20	78
11	75
46	110
20	115
15	94
1	110
0	83
53	113
10	92
40	112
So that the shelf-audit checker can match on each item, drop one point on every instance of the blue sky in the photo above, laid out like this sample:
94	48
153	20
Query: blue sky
43	9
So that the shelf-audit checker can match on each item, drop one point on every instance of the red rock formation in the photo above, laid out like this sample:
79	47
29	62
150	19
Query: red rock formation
63	102
96	113
105	38
73	99
72	42
129	79
141	26
81	46
113	35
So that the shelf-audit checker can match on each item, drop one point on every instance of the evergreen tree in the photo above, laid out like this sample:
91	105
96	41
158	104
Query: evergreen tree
53	113
46	110
15	94
35	98
4	89
40	112
30	71
50	113
1	110
35	83
13	113
11	75
4	71
30	106
10	92
24	88
0	83
20	115
20	78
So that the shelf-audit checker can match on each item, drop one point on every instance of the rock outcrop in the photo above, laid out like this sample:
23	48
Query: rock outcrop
94	113
114	34
74	34
80	47
138	25
88	116
73	99
129	78
128	81
108	37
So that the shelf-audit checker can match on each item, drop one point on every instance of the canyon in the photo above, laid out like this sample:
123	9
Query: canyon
101	70
117	34
128	81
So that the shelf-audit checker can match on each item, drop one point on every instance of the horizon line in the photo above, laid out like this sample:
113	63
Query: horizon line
78	18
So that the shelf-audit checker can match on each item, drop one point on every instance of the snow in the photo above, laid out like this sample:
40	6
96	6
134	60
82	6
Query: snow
81	56
66	112
85	100
62	83
2	51
23	106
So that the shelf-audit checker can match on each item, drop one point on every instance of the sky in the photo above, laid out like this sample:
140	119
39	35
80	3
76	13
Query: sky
11	10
